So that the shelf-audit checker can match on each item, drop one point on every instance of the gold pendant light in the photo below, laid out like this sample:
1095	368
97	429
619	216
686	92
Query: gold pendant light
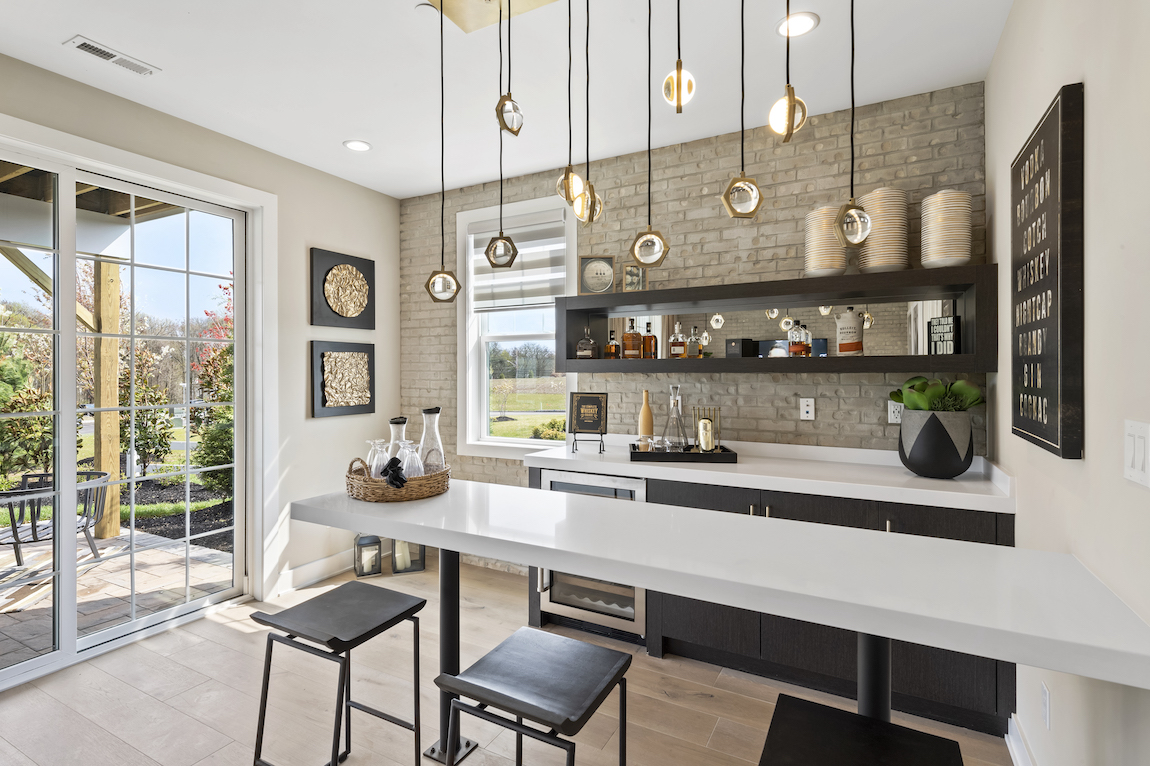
742	197
789	113
588	205
442	285
501	250
679	86
570	185
507	111
649	248
852	224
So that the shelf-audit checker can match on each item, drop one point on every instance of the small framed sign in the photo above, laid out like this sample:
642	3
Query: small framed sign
1046	297
634	278
588	416
596	274
943	335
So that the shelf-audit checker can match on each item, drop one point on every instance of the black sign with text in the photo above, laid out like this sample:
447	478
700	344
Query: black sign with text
1046	280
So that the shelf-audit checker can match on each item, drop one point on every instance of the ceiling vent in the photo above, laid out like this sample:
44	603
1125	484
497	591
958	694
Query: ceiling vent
104	53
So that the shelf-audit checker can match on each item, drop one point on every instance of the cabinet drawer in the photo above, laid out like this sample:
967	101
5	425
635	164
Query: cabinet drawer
839	511
705	496
947	523
712	625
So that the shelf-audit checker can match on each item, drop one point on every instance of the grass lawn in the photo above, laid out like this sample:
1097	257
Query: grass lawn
520	427
142	511
87	447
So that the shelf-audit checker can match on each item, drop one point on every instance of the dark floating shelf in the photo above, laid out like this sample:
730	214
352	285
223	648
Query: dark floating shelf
975	288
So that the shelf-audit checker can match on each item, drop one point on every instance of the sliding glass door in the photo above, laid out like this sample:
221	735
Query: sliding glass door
154	409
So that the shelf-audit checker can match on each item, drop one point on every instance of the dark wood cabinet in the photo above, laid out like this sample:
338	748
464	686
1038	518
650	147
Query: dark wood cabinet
705	496
947	523
839	511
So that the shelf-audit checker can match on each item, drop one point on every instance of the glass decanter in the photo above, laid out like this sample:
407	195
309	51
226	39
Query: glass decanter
409	459
674	433
430	445
377	457
398	434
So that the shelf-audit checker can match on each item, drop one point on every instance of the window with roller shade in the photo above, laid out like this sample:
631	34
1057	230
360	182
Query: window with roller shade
515	391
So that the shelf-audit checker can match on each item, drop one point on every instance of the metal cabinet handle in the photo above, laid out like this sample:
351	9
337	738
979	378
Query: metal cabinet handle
539	586
888	525
766	510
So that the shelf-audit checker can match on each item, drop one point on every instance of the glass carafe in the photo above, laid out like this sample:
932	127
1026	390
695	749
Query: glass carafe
409	459
430	445
674	434
398	434
377	457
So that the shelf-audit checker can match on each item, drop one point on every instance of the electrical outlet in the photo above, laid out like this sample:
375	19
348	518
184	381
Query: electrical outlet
806	409
1046	706
893	411
1135	460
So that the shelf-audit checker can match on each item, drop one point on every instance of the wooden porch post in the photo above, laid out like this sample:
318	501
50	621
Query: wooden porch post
106	391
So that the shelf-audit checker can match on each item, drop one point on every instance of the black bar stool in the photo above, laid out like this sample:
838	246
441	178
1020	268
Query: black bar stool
551	680
341	620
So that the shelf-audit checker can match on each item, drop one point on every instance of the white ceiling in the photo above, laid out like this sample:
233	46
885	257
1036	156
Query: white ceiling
298	77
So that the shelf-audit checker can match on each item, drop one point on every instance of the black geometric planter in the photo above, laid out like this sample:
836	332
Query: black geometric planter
938	445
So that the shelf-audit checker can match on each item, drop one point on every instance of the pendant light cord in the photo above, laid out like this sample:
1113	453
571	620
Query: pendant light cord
742	89
569	131
442	155
852	98
787	21
501	88
678	30
648	88
587	57
508	42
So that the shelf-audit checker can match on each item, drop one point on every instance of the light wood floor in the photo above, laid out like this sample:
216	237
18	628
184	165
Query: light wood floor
189	697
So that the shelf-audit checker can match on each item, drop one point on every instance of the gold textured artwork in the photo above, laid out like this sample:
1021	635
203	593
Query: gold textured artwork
345	290
346	381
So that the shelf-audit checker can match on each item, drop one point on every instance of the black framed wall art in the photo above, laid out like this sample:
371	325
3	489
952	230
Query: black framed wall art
342	290
342	378
1046	290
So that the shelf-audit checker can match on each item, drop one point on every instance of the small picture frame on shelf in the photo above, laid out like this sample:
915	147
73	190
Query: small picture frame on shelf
596	274
588	415
634	278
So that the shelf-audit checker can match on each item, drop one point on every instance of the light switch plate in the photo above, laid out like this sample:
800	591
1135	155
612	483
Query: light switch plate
806	409
1135	460
893	411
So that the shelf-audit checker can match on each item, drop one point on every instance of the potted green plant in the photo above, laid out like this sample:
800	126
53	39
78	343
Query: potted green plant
936	439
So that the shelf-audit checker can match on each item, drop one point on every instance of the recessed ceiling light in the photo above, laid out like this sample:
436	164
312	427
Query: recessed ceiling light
357	146
801	23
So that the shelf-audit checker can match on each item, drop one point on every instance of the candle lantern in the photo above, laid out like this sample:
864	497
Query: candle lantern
368	556
407	557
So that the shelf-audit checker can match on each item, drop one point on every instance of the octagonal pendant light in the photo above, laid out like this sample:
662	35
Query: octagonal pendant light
588	205
852	224
649	248
507	111
442	285
679	86
742	197
789	113
501	251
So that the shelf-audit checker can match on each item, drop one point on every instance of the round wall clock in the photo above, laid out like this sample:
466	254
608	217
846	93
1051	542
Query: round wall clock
598	276
345	290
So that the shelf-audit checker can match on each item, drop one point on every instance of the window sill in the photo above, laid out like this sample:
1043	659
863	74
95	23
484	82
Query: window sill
506	450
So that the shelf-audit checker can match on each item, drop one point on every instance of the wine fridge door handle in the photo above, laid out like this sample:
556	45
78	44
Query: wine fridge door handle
542	578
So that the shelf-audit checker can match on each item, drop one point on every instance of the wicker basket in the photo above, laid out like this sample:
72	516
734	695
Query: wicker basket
361	486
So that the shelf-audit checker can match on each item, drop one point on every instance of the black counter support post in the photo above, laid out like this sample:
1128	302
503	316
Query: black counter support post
448	653
874	677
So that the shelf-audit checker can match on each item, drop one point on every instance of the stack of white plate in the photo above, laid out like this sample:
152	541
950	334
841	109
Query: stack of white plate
946	229
885	247
824	256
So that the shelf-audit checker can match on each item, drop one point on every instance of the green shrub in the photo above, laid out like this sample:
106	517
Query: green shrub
554	429
217	447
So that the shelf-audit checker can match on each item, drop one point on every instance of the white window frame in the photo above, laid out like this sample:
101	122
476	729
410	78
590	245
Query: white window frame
470	436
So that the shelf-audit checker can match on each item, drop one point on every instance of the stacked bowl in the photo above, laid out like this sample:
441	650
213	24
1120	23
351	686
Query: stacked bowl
823	256
885	249
946	229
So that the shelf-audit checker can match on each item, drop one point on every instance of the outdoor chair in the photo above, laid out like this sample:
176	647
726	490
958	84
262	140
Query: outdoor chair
25	506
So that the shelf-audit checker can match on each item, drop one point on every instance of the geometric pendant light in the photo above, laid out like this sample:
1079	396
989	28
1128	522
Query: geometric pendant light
501	250
650	247
570	185
852	224
742	198
588	205
442	285
507	112
790	112
679	86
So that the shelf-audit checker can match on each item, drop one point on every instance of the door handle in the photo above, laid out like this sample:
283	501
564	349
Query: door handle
541	578
888	525
766	511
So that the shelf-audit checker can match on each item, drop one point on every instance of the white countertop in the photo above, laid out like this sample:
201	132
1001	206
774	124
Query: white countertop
861	474
1031	607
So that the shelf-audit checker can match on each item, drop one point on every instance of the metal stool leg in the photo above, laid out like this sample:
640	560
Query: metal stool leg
622	722
415	656
263	701
452	733
519	743
347	711
339	702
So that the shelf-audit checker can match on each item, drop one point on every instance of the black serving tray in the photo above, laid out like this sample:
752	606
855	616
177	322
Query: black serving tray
724	455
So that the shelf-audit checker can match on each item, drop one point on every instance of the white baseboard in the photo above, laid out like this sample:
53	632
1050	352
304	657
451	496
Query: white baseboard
1016	744
314	571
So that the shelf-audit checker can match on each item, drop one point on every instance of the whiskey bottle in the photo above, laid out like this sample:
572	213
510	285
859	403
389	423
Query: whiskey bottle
806	340
650	344
632	342
694	347
587	348
612	349
795	341
677	343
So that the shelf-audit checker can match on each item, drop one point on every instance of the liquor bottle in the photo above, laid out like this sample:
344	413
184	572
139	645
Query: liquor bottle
632	342
650	344
646	423
677	343
612	349
694	347
806	340
795	340
587	348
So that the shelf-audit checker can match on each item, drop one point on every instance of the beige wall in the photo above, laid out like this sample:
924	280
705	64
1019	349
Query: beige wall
1083	506
315	210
